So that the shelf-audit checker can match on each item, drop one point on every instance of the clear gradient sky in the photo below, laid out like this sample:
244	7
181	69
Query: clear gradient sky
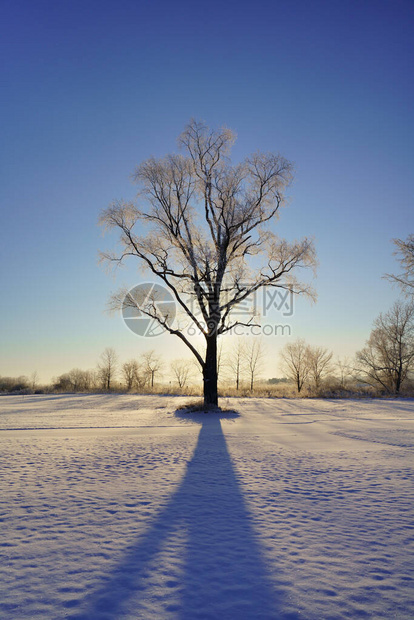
91	88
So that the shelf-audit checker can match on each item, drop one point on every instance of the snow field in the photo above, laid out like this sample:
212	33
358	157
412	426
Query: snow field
116	507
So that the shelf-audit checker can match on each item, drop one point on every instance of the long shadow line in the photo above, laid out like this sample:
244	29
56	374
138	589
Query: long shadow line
223	575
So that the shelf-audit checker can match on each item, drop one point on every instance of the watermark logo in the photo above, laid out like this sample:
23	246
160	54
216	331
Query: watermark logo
264	302
279	300
143	303
148	309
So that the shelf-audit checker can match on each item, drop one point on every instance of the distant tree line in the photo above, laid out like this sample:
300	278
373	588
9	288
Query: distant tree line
385	364
306	365
135	374
387	360
14	384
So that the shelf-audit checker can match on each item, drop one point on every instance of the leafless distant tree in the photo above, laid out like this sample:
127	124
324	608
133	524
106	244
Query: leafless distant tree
205	217
129	372
107	368
220	358
236	360
34	380
320	364
152	364
13	384
136	375
295	362
91	379
388	356
405	254
181	370
62	383
254	359
76	380
344	369
75	377
80	379
142	377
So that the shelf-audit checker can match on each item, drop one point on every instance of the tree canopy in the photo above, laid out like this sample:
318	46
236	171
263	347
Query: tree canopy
197	223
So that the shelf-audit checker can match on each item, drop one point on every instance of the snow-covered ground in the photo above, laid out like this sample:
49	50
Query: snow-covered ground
117	507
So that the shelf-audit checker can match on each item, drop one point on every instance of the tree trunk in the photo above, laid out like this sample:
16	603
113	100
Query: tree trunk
210	372
399	378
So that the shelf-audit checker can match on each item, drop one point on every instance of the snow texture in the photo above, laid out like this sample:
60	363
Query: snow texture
121	507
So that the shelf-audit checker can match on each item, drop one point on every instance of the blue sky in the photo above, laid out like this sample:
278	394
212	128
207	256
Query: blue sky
89	89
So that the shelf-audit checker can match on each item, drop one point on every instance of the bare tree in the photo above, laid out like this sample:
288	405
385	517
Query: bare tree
62	383
142	378
344	369
235	361
405	254
152	364
135	374
129	372
319	362
107	368
91	379
182	371
13	384
76	380
220	358
295	362
388	356
34	380
205	218
254	359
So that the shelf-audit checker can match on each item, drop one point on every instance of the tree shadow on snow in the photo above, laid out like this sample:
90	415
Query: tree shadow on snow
222	575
